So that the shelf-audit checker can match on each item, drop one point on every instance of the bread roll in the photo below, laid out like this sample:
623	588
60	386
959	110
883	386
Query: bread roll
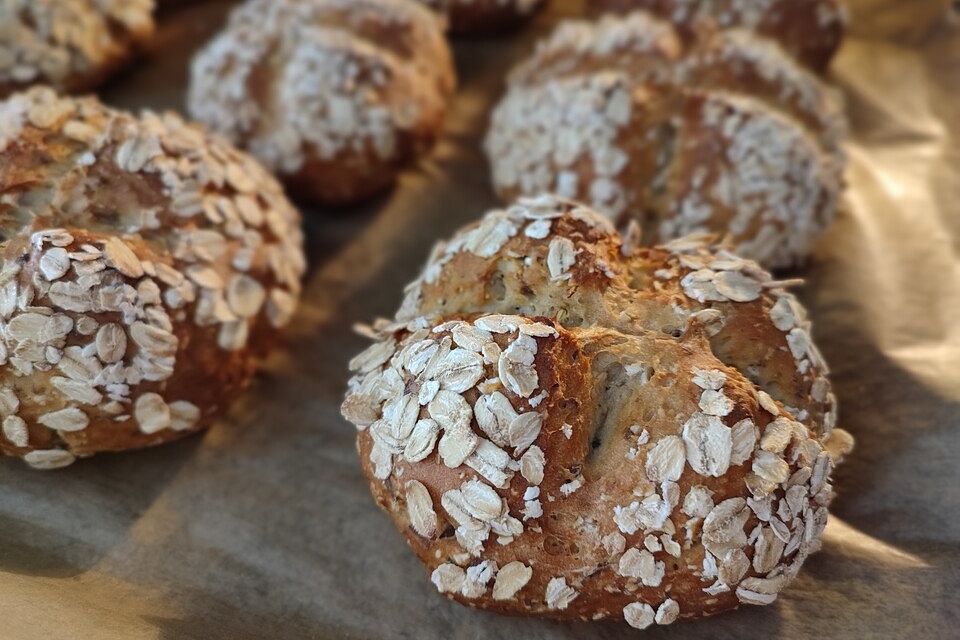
727	135
72	45
145	267
565	426
811	30
335	96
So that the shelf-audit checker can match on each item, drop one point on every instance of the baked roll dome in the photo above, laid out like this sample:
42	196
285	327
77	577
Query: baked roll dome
561	424
727	135
71	45
146	266
334	96
810	30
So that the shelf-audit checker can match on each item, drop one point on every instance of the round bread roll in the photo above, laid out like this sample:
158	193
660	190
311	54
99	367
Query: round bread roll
72	45
811	30
472	17
335	96
562	425
727	135
145	268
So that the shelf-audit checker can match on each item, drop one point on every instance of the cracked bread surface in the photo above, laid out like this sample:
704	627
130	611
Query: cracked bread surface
562	424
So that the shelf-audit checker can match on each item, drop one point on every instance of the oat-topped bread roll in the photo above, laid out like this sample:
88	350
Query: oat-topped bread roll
485	16
564	426
335	96
145	267
811	30
725	135
72	45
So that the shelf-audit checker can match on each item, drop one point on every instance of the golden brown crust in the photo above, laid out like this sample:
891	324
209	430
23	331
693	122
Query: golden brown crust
724	134
477	17
811	30
645	287
71	45
566	427
146	266
335	96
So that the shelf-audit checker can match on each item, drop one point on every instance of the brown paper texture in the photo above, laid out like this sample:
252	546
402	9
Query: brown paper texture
264	528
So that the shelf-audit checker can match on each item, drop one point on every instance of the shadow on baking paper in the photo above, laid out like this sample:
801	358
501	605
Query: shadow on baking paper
62	523
211	618
900	483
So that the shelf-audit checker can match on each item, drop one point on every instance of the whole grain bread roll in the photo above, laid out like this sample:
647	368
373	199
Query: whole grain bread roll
72	45
563	425
474	17
811	30
145	267
335	96
725	135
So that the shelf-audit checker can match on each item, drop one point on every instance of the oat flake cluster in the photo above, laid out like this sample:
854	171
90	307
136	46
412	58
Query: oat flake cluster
69	44
724	134
811	30
335	96
564	425
144	267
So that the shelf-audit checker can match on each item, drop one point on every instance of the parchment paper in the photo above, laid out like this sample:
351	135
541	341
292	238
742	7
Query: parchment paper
263	528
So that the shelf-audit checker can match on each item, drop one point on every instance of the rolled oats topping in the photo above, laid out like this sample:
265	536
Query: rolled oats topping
639	615
599	442
112	310
595	112
666	460
559	594
510	580
68	44
641	564
423	518
709	444
667	612
448	578
341	90
69	419
15	431
48	459
810	31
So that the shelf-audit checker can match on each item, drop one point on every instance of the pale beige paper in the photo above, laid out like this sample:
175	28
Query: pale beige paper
264	527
